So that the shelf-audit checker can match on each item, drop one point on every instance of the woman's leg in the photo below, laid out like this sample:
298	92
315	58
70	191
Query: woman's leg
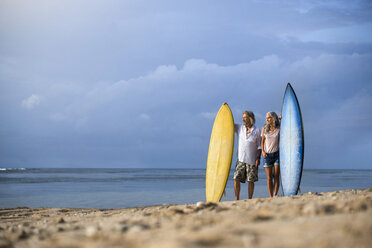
276	179
269	175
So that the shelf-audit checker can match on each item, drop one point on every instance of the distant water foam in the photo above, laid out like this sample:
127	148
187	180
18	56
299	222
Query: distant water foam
12	169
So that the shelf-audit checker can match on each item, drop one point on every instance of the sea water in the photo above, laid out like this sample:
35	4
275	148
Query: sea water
120	188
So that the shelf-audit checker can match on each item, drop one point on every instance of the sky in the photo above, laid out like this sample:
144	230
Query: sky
137	84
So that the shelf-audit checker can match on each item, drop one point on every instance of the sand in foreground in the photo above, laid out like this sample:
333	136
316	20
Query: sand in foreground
335	219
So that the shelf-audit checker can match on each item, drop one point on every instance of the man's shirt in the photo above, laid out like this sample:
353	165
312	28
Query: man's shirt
248	143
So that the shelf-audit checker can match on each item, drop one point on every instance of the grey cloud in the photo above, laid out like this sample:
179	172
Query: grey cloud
130	38
118	86
31	102
113	119
316	47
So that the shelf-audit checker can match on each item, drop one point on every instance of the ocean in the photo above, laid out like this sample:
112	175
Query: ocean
121	188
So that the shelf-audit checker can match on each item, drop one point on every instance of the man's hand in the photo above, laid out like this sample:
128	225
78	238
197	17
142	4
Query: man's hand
257	162
258	158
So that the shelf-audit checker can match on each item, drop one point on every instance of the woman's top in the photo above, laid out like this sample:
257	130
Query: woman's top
271	143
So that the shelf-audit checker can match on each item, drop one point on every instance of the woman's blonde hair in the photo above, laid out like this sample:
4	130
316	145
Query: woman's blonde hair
273	115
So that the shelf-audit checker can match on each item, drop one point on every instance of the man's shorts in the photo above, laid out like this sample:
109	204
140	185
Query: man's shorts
271	159
245	172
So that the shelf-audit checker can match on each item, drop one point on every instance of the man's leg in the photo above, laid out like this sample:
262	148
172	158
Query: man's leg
250	189
252	176
237	189
239	176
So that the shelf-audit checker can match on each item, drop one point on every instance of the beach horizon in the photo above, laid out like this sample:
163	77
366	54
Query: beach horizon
338	218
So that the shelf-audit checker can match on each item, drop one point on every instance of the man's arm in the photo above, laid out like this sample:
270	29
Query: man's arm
258	157
259	150
236	127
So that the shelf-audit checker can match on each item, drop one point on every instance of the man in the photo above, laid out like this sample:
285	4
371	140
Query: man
249	154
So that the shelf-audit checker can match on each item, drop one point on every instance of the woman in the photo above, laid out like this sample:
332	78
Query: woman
270	151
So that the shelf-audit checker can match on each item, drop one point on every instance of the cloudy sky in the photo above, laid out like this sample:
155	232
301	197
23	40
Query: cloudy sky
88	83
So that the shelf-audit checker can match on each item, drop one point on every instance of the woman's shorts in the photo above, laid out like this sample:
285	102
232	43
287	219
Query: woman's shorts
271	159
245	172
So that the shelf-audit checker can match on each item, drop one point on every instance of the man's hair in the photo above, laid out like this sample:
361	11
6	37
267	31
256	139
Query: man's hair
250	116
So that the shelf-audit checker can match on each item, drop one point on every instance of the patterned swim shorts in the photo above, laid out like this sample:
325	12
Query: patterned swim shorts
245	172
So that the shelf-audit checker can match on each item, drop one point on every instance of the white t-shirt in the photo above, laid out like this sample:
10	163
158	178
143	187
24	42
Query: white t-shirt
271	141
248	144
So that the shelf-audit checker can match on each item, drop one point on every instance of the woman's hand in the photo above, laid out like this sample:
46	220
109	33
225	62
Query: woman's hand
264	154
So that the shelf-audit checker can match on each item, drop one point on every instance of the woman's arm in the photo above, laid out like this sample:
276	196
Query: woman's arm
262	146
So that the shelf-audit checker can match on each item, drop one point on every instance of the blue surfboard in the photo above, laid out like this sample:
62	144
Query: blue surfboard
291	143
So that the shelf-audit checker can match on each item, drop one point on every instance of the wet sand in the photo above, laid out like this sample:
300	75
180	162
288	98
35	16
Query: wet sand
334	219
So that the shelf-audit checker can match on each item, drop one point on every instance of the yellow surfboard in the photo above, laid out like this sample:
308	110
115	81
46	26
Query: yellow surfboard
220	154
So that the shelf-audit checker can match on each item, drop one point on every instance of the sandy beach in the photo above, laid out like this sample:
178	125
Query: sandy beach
334	219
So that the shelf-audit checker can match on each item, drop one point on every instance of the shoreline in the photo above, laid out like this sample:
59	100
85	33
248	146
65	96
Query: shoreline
339	218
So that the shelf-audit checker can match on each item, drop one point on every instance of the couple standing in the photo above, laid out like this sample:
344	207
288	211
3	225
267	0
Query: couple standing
250	141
